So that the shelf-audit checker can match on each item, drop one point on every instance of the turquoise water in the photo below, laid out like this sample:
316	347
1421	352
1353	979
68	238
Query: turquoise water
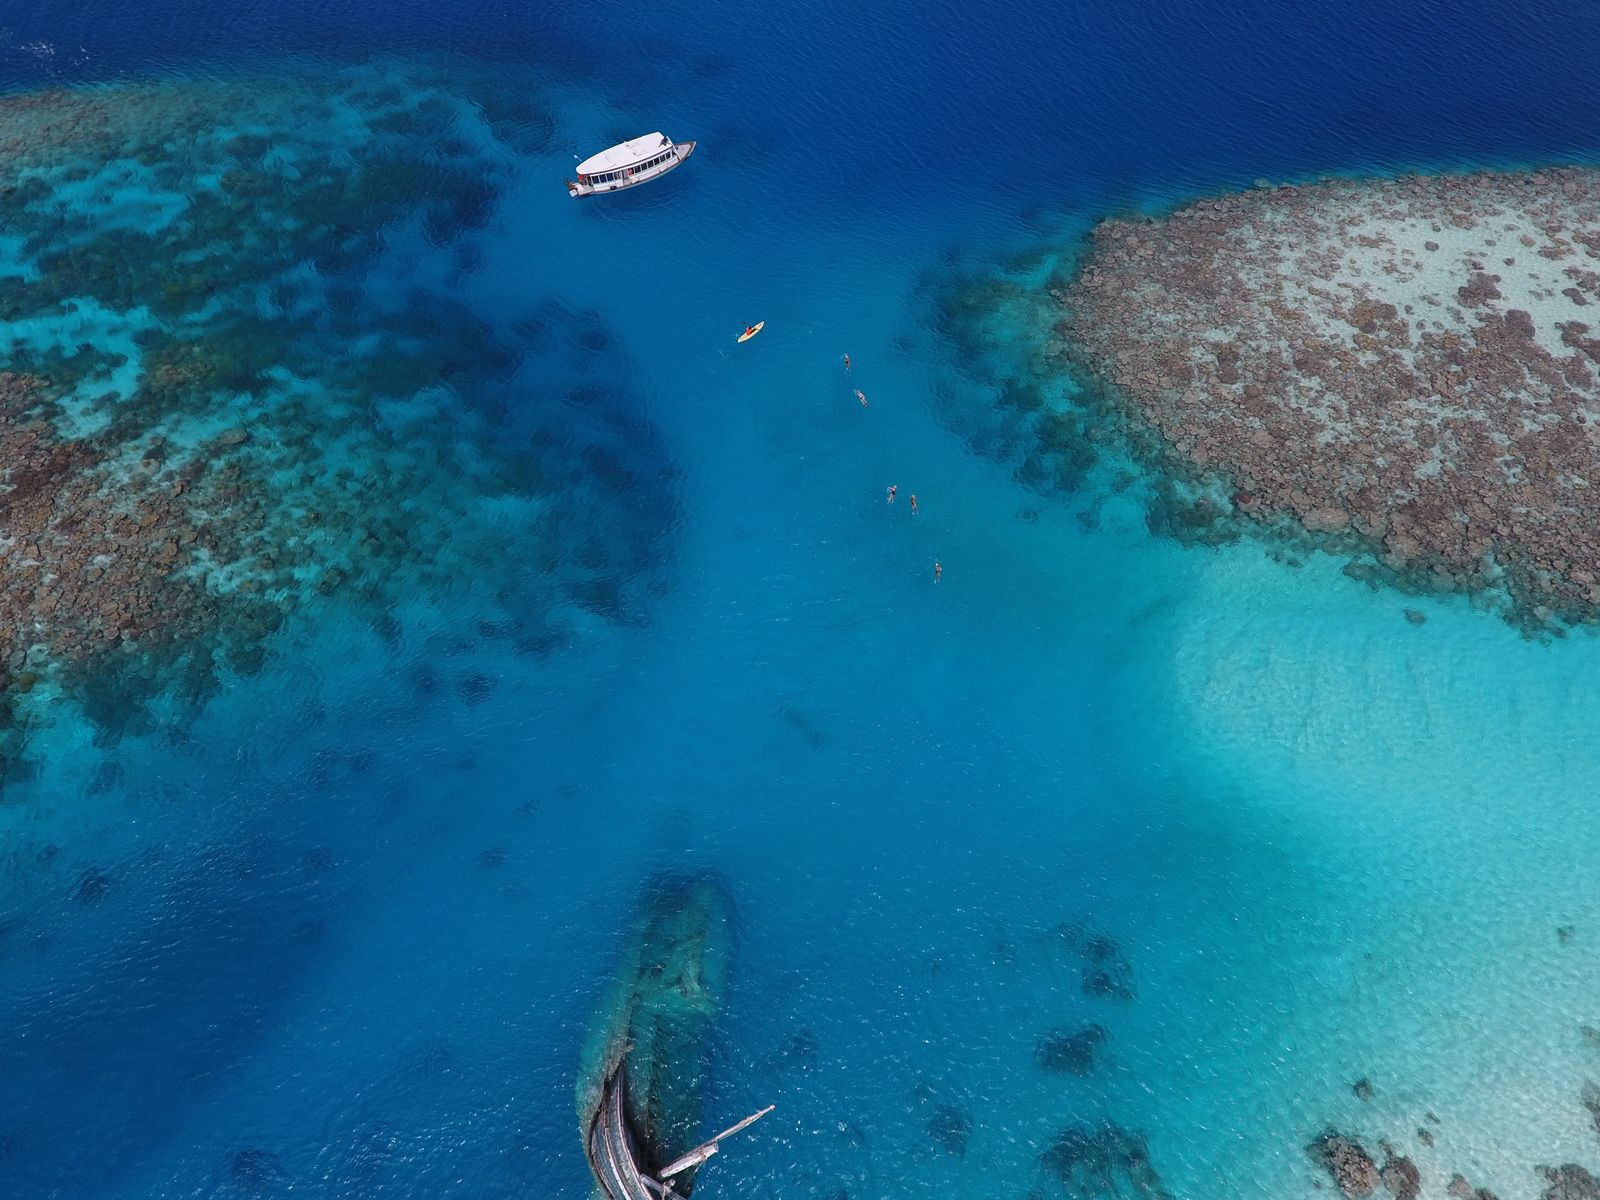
334	922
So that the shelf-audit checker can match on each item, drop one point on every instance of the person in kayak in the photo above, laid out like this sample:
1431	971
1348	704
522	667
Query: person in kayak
748	330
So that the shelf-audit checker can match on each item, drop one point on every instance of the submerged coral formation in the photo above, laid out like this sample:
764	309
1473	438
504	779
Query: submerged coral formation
1347	1162
239	375
1107	1161
1074	1053
1355	1172
1406	364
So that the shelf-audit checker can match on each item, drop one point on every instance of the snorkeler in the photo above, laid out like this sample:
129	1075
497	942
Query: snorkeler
861	396
893	488
913	504
846	362
937	570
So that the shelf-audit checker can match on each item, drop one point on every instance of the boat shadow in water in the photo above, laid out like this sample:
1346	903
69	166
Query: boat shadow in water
644	1063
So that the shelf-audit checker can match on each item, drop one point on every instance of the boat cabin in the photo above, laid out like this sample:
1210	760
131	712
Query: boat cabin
629	163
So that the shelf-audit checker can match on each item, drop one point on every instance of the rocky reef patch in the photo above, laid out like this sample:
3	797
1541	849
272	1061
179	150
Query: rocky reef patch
1355	1173
241	375
1405	369
1404	372
1090	1163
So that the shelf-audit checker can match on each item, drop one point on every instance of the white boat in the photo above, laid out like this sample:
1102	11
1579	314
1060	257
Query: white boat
628	164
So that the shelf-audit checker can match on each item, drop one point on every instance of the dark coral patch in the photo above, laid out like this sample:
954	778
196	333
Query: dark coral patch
1071	1053
951	1130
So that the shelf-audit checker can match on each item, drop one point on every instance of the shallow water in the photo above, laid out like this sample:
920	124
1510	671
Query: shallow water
339	930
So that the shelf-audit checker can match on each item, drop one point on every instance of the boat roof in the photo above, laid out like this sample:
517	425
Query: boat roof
625	154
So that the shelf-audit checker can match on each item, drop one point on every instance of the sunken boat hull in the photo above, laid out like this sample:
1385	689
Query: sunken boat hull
645	1061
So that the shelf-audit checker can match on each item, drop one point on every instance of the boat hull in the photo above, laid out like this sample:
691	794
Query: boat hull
576	189
611	1147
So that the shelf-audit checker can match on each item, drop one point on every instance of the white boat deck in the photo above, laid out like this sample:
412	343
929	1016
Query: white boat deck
625	154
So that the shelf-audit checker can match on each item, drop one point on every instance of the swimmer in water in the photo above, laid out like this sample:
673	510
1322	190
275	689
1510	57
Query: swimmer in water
846	362
861	396
937	570
913	504
893	488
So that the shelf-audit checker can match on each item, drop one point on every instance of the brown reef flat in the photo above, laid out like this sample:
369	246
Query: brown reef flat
1409	364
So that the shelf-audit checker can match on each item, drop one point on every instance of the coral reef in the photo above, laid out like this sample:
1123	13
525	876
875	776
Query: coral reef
1103	1162
1459	1189
1400	1176
1570	1182
1106	972
224	395
1347	1162
951	1130
1356	1174
1075	1053
1404	368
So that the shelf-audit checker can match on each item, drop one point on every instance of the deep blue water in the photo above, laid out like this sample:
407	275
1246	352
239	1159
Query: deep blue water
355	918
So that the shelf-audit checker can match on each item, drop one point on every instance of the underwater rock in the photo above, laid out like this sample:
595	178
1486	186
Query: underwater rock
1349	1165
803	1050
1590	1035
1565	933
475	688
91	887
1106	972
810	732
1107	1161
951	1130
1416	617
1590	1099
1401	1178
1076	1053
1108	983
1569	1182
1363	1089
1459	1189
